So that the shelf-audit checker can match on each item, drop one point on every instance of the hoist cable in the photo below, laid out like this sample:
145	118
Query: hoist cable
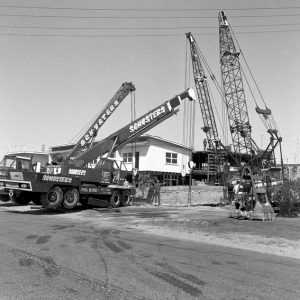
272	122
184	106
264	121
241	52
249	87
183	159
210	72
191	124
133	117
84	129
215	110
189	116
221	92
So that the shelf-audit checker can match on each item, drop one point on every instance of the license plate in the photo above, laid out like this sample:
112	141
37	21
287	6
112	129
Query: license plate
12	185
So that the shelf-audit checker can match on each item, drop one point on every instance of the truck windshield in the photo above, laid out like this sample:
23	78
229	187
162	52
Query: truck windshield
15	164
8	162
24	165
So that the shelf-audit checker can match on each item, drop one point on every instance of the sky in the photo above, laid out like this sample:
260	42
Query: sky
62	61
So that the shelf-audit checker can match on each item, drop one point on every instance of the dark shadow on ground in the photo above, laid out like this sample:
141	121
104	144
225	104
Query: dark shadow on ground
8	204
44	211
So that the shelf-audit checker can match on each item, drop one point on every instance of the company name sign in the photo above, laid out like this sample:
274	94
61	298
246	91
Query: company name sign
99	122
147	119
52	178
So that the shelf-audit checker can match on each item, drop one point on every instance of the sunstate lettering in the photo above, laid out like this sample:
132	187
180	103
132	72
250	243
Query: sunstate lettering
146	119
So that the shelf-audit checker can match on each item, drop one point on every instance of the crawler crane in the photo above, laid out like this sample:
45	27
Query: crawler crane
255	164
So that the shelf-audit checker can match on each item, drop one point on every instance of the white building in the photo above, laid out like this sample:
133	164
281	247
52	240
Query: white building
154	156
150	156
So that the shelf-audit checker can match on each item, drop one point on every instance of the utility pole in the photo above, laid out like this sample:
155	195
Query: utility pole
297	150
190	189
191	166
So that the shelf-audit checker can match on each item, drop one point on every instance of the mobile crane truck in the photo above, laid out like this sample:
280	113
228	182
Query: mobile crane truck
20	165
72	181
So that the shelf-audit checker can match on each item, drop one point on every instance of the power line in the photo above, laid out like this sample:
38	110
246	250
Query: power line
135	35
141	17
139	28
145	9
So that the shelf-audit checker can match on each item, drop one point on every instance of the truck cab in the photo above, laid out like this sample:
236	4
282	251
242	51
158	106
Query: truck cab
16	173
11	170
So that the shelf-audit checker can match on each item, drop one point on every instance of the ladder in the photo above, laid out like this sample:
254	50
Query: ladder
215	160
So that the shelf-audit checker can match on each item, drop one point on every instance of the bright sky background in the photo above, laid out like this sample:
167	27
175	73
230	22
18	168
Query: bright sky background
55	74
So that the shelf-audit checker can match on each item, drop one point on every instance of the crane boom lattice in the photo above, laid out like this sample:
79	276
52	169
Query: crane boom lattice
233	90
204	99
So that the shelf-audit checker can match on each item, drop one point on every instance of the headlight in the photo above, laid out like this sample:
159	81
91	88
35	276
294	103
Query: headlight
24	186
1	183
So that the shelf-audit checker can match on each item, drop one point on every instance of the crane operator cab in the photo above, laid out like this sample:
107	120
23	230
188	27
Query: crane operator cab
112	171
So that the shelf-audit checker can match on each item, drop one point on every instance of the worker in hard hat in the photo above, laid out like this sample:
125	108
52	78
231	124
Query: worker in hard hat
204	144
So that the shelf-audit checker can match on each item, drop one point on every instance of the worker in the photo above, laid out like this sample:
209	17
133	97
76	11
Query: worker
204	144
237	189
268	185
157	188
142	186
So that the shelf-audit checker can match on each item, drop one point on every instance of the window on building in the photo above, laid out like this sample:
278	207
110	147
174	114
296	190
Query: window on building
127	157
171	158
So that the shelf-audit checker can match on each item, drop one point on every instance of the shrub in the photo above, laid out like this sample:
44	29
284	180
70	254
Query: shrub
286	197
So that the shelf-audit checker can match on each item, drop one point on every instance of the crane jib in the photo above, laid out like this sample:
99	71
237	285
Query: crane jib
148	118
134	129
99	122
159	112
111	106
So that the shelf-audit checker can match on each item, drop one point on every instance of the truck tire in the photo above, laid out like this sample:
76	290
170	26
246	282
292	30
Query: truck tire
53	198
126	198
4	198
71	198
115	199
21	199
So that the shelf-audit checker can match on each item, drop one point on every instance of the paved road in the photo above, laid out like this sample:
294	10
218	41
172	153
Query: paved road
94	255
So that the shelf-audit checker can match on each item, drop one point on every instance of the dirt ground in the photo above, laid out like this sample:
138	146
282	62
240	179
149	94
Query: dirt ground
212	225
205	222
208	221
146	252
